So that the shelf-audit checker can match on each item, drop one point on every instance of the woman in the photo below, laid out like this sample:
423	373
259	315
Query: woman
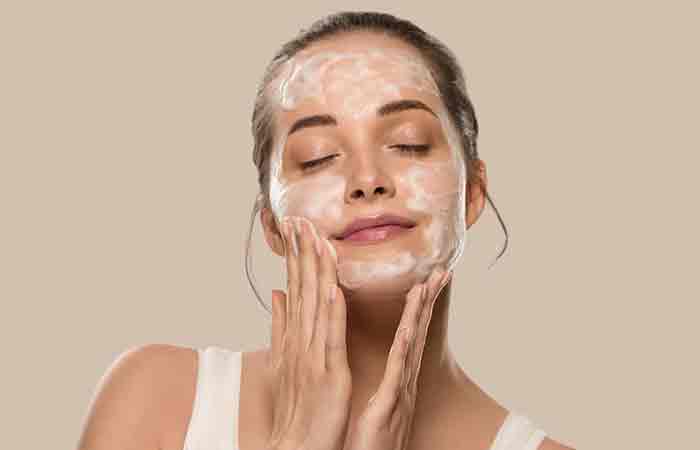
365	145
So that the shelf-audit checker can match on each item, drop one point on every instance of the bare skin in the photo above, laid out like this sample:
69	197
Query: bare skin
445	393
473	429
450	409
371	325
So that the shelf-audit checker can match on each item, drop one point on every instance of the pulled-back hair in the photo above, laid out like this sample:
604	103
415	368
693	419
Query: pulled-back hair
440	61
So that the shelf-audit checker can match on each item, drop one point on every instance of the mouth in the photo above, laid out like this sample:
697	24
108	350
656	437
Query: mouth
374	229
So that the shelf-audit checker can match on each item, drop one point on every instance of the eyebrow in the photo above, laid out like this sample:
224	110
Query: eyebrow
383	111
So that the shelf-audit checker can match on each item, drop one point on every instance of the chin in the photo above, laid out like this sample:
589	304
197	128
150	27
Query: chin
377	281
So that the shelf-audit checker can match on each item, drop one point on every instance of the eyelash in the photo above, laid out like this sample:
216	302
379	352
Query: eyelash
422	148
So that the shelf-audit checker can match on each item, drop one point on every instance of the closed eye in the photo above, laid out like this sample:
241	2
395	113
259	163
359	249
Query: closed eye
316	162
408	148
420	148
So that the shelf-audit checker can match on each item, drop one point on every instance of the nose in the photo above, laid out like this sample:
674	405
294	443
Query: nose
368	182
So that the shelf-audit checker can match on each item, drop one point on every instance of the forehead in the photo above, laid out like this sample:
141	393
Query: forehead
364	51
351	76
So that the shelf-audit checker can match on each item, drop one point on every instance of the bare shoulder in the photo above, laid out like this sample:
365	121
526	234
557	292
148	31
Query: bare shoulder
134	397
175	375
173	366
550	444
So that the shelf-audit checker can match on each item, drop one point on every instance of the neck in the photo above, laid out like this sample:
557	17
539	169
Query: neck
370	333
442	384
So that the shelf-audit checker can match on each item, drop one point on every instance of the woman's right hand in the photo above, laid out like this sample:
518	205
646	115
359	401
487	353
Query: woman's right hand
309	354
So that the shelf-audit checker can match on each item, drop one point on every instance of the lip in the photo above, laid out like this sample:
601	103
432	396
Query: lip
376	235
375	221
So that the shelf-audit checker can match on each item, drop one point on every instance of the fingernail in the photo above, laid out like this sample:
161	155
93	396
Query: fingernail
295	241
446	278
317	240
284	228
331	249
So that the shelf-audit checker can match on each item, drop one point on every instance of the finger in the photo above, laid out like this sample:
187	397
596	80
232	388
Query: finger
326	280
432	288
278	323
320	304
387	395
415	321
422	321
291	258
410	319
308	273
336	346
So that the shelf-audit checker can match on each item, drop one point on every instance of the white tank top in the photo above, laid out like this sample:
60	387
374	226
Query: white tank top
216	405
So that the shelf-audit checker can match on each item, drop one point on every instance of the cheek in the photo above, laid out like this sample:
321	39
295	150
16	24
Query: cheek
437	191
433	188
320	200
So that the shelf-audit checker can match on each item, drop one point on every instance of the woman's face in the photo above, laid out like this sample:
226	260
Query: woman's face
359	168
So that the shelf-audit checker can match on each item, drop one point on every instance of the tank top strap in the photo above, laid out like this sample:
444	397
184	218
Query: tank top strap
518	433
214	421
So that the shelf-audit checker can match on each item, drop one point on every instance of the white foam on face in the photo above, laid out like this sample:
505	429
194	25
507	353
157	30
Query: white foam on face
359	77
351	85
356	274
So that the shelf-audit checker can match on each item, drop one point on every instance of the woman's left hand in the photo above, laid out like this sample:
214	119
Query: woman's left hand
386	422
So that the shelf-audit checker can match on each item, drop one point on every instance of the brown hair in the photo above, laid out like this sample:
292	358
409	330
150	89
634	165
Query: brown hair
439	59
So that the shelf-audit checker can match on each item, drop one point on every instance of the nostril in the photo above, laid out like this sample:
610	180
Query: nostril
360	193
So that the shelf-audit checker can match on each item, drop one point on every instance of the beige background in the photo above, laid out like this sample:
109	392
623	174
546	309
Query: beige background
126	184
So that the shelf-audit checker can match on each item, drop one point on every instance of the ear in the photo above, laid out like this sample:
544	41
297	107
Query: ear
272	231
476	187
